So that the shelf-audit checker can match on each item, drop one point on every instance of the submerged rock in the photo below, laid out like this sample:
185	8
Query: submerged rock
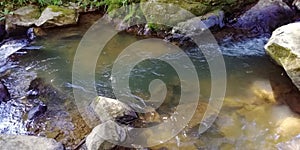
37	111
4	94
105	136
57	16
22	142
263	91
286	122
265	16
284	48
288	127
293	144
112	109
32	94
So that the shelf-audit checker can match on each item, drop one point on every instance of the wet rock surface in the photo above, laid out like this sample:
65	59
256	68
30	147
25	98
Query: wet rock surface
52	114
37	111
284	47
21	142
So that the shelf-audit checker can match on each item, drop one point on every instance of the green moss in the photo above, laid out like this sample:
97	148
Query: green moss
198	9
278	53
157	27
65	11
153	26
36	13
230	2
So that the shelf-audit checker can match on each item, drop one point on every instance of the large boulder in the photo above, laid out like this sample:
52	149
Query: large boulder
166	13
284	48
57	16
22	142
21	19
265	16
202	7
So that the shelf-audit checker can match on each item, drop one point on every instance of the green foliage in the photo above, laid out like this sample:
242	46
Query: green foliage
109	4
153	27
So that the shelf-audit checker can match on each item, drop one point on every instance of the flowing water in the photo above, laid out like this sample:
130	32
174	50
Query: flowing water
249	119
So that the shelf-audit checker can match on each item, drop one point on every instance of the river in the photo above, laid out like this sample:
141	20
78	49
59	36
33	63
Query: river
249	119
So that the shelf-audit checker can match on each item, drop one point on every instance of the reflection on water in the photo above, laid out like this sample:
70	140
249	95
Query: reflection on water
250	118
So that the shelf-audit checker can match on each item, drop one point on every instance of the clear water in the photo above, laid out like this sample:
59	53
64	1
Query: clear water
248	119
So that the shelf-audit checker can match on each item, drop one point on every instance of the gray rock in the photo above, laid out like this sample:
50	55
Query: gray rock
111	109
166	14
22	142
57	16
265	16
284	48
22	18
105	136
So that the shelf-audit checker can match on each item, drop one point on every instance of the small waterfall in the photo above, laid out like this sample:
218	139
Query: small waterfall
9	48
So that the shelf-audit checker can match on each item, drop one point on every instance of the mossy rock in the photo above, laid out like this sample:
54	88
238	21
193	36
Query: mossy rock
57	16
201	7
22	18
160	12
279	53
64	11
28	12
284	49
